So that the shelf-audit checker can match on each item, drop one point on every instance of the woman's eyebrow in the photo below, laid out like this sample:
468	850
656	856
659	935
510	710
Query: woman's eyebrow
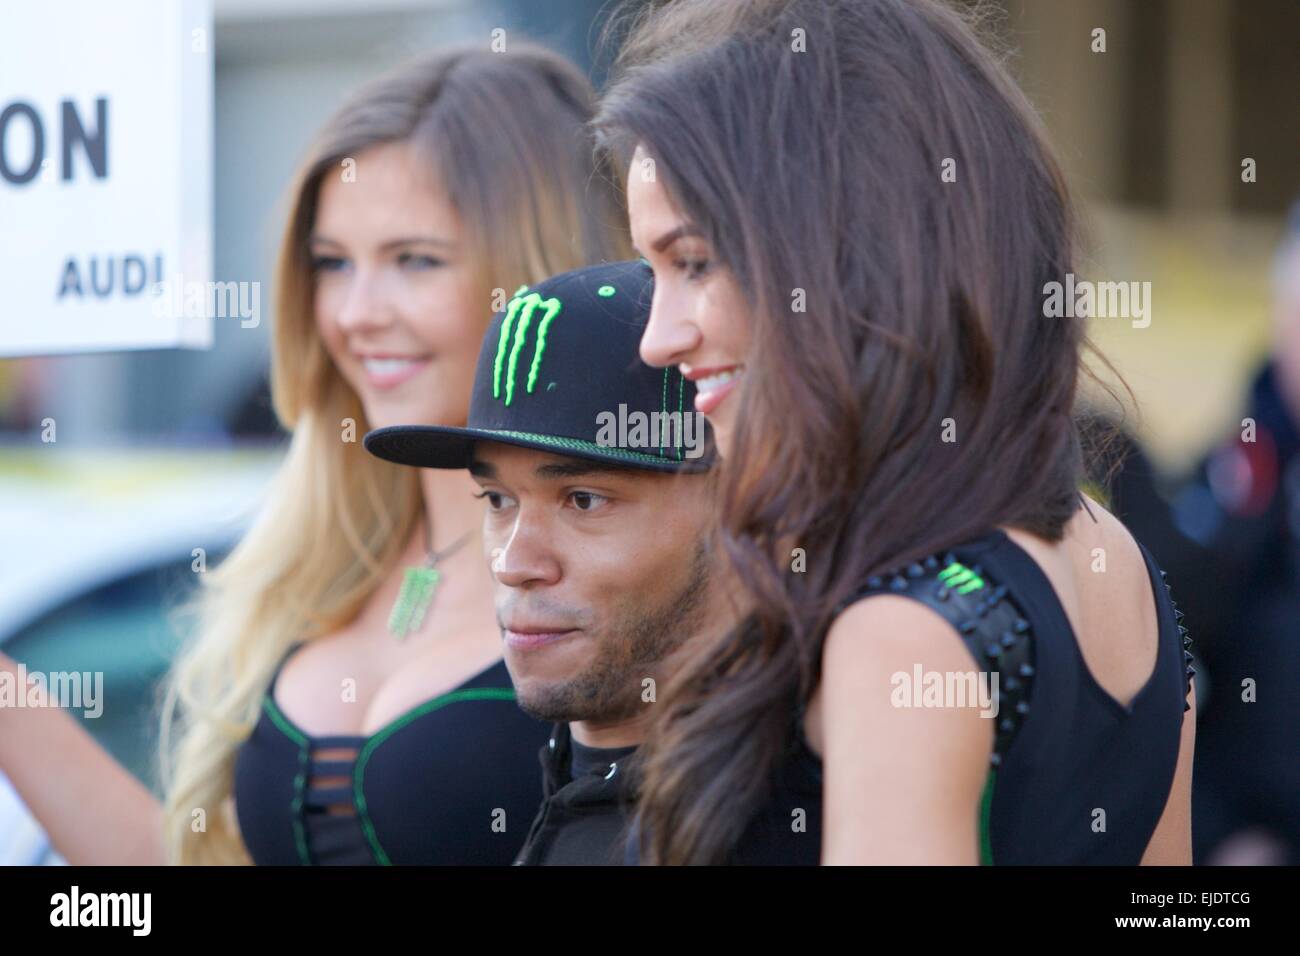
672	235
391	243
418	241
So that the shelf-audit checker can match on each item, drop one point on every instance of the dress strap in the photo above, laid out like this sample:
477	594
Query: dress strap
1188	660
989	622
284	659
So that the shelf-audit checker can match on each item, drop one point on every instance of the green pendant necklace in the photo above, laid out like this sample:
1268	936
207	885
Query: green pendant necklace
418	587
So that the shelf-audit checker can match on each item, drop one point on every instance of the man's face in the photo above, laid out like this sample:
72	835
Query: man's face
600	573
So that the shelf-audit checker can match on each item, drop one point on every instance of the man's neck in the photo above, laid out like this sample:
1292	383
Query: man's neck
628	732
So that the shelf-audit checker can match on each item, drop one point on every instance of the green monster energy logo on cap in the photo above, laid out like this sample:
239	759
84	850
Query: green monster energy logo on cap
522	308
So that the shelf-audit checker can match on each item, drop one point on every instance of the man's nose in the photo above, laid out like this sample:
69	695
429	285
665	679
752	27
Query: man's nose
527	559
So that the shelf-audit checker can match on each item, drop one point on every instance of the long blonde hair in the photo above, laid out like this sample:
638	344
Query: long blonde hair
506	133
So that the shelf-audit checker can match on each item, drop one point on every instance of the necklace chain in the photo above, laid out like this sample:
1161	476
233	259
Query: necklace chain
418	586
432	557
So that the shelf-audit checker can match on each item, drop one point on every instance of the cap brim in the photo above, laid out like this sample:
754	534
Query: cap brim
438	446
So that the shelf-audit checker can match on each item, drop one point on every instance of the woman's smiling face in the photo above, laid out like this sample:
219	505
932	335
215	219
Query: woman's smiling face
699	318
395	293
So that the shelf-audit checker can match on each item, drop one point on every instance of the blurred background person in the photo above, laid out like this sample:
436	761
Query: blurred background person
1237	522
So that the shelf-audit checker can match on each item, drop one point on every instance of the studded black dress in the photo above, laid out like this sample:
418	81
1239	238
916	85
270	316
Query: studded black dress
1075	777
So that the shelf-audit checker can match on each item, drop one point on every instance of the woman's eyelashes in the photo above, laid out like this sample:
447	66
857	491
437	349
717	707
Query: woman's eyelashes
327	263
418	262
693	268
410	261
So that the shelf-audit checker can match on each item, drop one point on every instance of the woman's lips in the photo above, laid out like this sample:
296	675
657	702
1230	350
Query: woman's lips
389	371
531	640
706	402
713	385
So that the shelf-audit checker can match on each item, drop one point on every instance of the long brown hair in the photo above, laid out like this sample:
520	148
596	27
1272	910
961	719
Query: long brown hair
819	173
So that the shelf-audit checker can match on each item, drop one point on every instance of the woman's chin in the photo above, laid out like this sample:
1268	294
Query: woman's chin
723	431
380	414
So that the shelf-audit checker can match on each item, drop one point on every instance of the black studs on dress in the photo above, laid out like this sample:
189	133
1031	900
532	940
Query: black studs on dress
1187	642
989	621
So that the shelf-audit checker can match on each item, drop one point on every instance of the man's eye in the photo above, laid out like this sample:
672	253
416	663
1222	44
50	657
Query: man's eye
587	500
495	499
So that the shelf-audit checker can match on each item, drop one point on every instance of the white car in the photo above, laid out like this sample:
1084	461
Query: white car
97	550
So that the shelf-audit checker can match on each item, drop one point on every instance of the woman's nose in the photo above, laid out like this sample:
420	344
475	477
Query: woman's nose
669	336
366	303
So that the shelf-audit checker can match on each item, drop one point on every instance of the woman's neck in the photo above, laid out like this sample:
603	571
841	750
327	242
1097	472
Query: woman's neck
449	506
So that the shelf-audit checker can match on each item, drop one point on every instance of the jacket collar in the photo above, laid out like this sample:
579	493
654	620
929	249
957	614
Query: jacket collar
621	783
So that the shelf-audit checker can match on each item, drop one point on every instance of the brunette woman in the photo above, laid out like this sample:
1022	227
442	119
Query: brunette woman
853	219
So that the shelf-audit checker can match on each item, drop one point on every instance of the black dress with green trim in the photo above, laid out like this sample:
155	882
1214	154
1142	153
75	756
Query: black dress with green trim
453	781
1075	776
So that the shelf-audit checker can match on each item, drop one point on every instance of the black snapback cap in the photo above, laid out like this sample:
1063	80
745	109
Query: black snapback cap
560	371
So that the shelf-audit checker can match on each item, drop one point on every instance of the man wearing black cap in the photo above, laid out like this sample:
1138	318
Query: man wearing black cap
597	486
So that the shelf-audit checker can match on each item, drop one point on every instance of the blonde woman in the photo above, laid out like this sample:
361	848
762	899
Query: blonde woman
344	700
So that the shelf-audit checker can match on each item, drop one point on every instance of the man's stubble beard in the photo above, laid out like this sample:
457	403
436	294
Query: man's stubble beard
610	687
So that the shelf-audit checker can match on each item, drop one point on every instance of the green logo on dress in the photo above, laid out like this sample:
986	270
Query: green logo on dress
519	319
960	577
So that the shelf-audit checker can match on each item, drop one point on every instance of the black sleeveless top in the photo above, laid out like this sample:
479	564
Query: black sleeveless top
452	781
1075	777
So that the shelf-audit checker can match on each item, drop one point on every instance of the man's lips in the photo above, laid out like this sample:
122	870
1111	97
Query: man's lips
528	637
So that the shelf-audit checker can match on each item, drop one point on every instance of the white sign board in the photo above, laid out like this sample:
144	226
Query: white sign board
105	174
